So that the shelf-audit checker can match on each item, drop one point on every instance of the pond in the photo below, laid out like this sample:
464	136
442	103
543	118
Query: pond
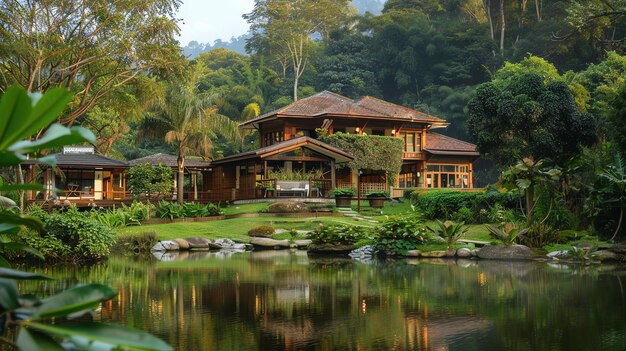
287	300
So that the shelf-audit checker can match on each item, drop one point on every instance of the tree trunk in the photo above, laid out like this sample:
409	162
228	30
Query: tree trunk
538	9
295	88
502	25
530	204
181	178
20	177
487	5
619	224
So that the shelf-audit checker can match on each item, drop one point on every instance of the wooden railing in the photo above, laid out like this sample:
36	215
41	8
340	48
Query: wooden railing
420	155
365	187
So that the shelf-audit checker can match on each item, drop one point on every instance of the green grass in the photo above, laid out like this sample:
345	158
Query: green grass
235	229
245	208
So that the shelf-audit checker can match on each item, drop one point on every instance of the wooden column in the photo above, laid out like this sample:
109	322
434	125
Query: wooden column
265	169
471	173
332	175
194	177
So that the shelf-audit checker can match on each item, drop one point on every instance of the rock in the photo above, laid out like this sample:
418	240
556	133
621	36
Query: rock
413	253
182	244
502	252
558	254
475	253
158	247
606	255
434	254
302	243
330	248
288	207
464	252
363	252
196	242
267	242
224	243
619	249
264	231
450	252
170	245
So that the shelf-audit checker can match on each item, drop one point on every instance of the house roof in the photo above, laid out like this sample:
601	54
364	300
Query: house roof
85	161
338	155
169	161
439	144
326	104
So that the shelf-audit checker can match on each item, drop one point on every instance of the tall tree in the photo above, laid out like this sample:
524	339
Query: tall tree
285	28
91	47
188	119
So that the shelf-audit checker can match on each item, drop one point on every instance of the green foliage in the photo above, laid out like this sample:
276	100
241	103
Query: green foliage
149	181
71	235
338	234
446	204
264	230
507	233
450	231
465	215
370	152
526	117
538	235
343	192
377	193
139	242
398	234
294	175
124	215
172	210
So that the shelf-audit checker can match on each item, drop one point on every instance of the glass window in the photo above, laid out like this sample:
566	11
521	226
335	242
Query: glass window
380	132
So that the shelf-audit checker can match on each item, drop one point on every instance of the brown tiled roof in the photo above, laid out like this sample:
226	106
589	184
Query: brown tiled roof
327	103
84	161
169	161
283	146
444	145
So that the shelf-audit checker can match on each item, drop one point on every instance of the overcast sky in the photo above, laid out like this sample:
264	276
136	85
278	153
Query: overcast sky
207	20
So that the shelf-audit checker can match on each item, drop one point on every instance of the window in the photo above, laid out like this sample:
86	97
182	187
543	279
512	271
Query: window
379	132
273	138
447	176
412	141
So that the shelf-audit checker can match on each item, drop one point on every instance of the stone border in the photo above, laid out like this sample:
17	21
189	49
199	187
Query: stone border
241	215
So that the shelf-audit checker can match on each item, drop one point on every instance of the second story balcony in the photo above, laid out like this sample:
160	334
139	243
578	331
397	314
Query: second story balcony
417	155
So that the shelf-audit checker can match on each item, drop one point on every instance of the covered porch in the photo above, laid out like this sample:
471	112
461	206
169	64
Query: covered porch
297	168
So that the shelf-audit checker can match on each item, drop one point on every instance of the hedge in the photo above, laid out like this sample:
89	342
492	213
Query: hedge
446	204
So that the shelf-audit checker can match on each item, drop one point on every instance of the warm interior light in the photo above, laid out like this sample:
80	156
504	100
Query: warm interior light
393	132
358	129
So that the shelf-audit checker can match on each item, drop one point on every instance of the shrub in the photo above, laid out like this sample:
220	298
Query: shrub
71	235
150	181
338	234
540	234
263	231
507	233
140	242
464	215
343	192
450	231
399	234
173	210
377	193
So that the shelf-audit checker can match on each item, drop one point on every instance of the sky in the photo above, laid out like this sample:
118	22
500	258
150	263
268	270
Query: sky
207	20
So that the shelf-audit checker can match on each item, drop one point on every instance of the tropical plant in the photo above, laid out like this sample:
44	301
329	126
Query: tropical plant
30	318
615	176
506	233
538	235
188	119
398	234
295	175
343	192
450	231
377	193
148	180
338	234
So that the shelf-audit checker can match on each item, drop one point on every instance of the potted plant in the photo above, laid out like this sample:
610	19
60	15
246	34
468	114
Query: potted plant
377	198
343	197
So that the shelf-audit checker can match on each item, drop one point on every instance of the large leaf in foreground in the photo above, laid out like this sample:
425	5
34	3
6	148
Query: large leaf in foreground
8	294
76	299
35	341
20	275
106	333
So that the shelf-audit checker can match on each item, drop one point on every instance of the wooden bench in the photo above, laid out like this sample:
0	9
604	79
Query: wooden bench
293	188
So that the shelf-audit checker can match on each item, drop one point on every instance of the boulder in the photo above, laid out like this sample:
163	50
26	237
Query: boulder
227	244
269	243
302	243
558	254
330	248
619	249
502	252
264	231
288	207
182	244
158	247
170	245
464	252
196	242
413	253
607	255
450	252
435	254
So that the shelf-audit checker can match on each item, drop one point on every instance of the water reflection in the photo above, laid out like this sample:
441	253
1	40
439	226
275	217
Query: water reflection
286	300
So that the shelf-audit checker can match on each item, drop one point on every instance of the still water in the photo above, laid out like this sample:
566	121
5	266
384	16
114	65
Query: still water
289	301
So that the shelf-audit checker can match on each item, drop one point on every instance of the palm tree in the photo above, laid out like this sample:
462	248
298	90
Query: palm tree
188	119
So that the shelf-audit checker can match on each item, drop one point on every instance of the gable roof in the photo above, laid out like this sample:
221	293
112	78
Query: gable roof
327	103
169	161
338	155
439	144
85	161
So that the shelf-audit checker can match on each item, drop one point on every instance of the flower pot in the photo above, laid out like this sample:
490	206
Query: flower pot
376	202
343	201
